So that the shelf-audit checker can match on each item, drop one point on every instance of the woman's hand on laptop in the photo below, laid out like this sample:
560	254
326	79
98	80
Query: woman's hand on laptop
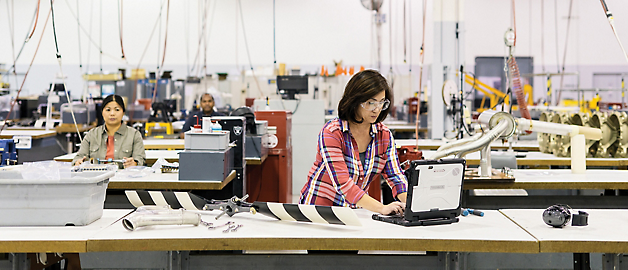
393	208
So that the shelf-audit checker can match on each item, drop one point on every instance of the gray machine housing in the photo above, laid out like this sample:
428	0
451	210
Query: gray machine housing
205	165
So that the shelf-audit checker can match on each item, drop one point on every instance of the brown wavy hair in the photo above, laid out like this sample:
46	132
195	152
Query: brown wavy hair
363	86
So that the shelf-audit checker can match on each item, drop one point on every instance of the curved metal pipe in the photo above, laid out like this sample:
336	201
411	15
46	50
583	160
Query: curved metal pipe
460	151
459	142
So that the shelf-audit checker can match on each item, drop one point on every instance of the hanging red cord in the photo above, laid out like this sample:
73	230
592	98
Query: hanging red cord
17	96
121	24
36	19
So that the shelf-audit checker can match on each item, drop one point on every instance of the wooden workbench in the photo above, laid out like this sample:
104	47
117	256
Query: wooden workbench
559	179
430	144
491	233
54	238
537	159
605	233
151	156
163	181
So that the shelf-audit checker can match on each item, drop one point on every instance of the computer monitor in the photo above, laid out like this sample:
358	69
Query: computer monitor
289	86
108	89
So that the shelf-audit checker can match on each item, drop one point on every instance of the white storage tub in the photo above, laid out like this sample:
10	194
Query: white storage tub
76	201
218	140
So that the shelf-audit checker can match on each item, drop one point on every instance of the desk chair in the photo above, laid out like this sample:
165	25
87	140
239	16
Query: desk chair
499	161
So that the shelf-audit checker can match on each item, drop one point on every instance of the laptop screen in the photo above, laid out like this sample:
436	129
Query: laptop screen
435	186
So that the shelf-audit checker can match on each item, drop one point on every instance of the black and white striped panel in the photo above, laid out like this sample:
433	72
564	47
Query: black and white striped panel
176	200
309	213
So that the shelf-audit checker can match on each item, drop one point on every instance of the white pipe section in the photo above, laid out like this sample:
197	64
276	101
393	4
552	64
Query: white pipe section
448	145
560	129
151	217
460	151
491	118
485	161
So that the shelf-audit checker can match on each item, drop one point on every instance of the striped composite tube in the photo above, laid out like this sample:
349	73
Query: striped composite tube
281	211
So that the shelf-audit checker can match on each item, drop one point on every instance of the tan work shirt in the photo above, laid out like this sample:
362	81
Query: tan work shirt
127	143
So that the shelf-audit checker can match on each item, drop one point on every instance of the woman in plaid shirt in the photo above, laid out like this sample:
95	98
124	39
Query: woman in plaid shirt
354	148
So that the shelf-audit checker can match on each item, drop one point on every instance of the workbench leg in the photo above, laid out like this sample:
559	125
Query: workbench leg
611	261
178	260
581	261
19	261
451	260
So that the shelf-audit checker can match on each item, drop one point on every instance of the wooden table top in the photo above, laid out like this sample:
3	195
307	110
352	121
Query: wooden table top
151	156
429	144
605	233
35	134
537	159
54	238
163	181
559	179
491	233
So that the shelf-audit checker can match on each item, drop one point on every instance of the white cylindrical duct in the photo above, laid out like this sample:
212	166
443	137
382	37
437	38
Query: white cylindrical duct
561	129
490	136
160	217
492	118
459	142
578	154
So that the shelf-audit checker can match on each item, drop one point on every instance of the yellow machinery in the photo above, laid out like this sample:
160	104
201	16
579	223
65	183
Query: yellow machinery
495	95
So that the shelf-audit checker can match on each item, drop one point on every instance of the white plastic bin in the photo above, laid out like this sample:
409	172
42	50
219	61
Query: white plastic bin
76	201
206	141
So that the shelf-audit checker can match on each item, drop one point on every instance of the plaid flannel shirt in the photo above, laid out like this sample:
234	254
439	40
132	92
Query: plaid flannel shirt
338	178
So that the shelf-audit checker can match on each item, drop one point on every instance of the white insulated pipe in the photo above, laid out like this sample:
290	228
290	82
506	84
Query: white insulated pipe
491	118
164	216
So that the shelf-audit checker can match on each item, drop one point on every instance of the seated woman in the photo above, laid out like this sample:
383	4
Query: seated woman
354	148
113	139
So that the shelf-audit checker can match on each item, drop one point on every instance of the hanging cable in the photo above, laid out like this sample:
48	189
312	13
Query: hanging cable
274	39
410	47
35	26
91	23
88	33
78	30
12	68
404	32
246	45
166	34
556	35
611	21
120	23
237	3
151	35
390	47
421	57
562	71
410	39
187	38
13	102
65	89
543	35
514	24
100	44
161	66
203	36
11	18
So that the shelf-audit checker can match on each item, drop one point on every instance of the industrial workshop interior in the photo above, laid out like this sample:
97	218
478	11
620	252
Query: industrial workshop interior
313	134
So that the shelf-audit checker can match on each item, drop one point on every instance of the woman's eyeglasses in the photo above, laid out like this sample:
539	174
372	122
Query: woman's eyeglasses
374	105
